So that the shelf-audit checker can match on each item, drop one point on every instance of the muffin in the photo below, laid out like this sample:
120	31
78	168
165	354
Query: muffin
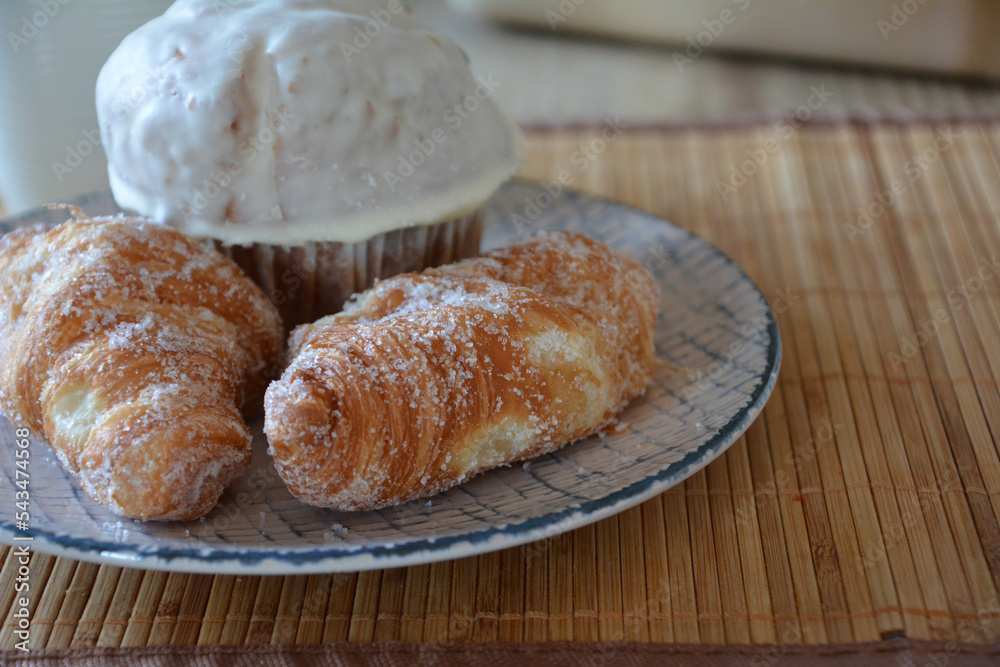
321	144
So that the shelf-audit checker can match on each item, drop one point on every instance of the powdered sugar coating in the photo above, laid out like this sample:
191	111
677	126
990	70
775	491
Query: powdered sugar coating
132	349
427	379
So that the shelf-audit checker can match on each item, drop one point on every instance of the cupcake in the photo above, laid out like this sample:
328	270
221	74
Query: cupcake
321	144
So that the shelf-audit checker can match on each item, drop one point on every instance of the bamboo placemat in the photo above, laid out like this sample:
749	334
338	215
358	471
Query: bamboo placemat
861	506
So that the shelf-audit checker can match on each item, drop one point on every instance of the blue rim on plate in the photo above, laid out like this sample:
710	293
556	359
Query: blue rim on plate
505	216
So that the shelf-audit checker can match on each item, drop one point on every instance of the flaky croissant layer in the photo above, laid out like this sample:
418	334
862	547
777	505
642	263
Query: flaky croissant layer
427	379
132	349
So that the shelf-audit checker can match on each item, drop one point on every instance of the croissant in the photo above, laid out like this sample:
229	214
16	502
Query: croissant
132	349
428	379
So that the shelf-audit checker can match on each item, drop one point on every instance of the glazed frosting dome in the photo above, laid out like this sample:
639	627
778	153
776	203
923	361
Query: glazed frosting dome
293	121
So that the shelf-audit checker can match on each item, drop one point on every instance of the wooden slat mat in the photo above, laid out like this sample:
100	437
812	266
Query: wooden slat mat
861	506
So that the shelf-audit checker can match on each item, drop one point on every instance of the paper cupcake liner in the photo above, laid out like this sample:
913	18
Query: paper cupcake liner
311	281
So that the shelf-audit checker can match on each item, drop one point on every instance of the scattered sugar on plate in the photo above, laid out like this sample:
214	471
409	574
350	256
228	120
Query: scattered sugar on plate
336	530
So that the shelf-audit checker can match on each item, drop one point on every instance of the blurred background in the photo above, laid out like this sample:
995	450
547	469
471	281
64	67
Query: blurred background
573	61
557	62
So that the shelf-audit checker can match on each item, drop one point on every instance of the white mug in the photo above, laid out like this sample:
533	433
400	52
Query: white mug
50	54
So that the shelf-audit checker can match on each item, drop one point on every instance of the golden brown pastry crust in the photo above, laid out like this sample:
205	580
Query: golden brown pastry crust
430	378
132	349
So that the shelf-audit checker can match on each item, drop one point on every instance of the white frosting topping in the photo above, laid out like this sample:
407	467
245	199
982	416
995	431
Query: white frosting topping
291	121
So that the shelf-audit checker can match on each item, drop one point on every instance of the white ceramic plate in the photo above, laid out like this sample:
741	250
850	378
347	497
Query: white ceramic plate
715	324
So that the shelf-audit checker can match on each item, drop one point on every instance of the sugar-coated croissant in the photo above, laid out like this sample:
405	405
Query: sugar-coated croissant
132	349
427	379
